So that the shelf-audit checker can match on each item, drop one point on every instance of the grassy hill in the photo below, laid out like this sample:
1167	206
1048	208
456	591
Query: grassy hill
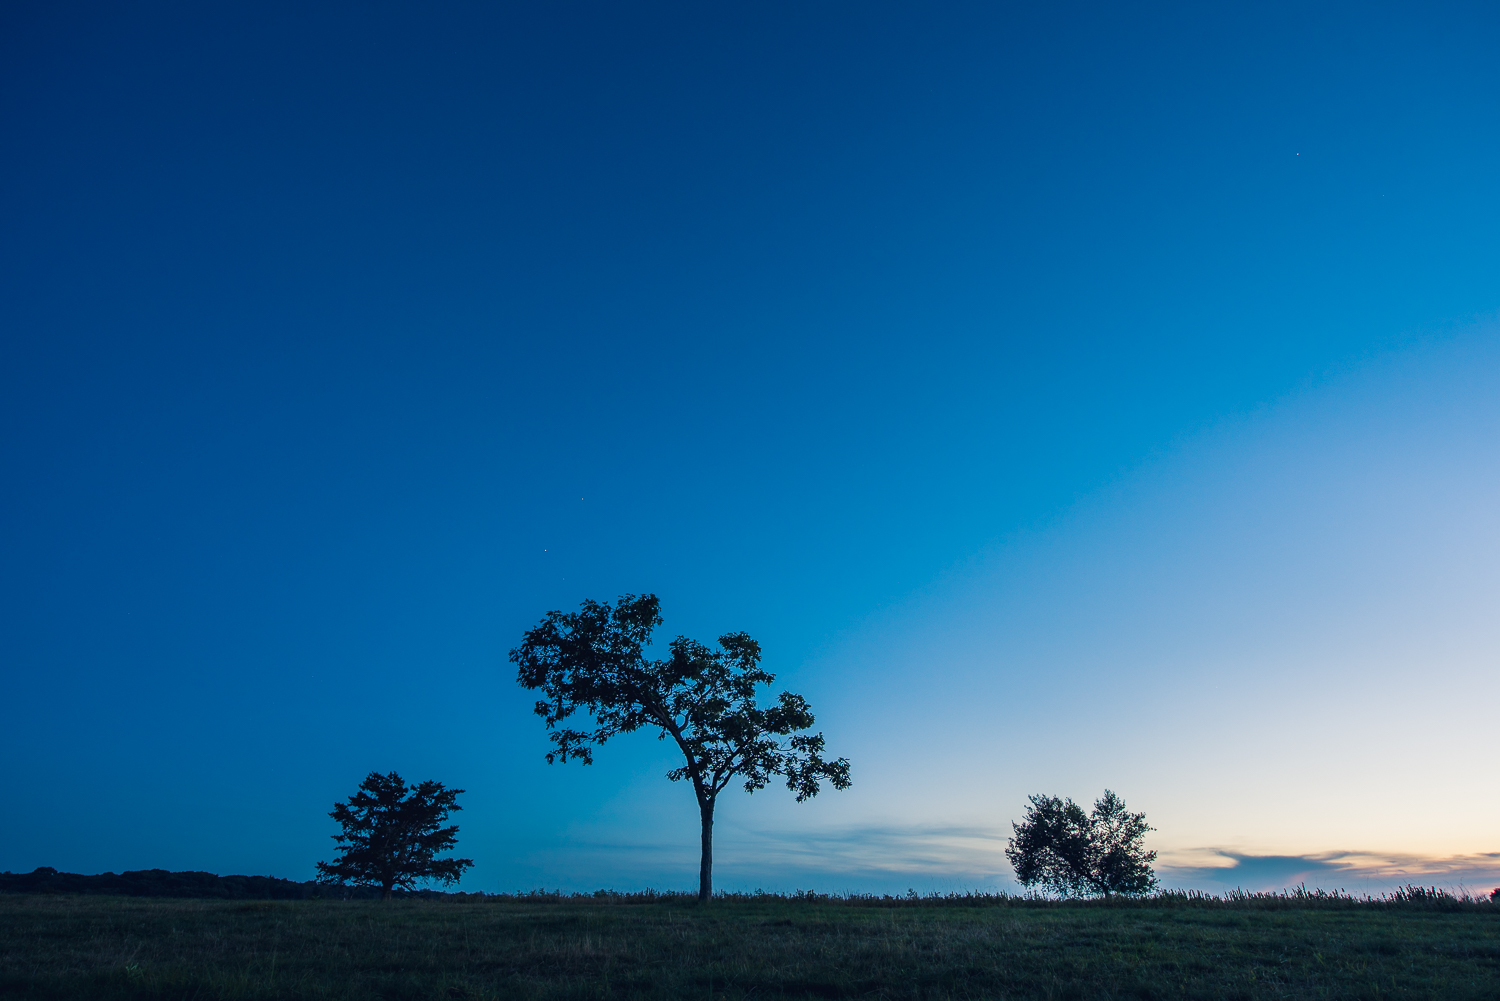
65	946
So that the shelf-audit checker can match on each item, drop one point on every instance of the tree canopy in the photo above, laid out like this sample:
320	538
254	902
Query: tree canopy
1069	852
392	835
597	682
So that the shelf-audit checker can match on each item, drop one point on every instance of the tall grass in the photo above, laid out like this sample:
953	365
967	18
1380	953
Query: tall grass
1409	897
1417	942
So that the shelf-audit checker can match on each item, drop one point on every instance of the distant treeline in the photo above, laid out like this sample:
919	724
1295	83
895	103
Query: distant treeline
161	883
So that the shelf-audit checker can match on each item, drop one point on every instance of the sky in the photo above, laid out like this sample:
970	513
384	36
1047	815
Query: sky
1067	397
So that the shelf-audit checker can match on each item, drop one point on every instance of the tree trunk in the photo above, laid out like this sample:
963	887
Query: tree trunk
385	891
706	866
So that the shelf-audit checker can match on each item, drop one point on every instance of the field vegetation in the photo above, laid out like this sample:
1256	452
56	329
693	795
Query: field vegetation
1414	944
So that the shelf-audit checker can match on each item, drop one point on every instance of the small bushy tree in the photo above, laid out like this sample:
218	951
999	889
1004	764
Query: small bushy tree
1062	849
392	834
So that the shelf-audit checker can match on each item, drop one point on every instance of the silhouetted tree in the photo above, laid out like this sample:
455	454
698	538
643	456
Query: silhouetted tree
1051	846
392	834
1074	853
595	660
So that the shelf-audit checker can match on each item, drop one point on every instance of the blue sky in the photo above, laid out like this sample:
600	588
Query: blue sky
1066	398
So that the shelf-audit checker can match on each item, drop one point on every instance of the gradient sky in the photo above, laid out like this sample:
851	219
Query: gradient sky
1066	396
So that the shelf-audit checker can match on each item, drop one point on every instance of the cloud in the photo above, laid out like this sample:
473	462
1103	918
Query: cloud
890	858
878	858
1216	870
937	856
932	850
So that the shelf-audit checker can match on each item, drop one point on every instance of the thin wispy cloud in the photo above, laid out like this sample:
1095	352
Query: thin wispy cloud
1356	871
874	858
890	858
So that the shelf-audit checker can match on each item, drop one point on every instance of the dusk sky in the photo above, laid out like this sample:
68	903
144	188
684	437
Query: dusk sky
1066	396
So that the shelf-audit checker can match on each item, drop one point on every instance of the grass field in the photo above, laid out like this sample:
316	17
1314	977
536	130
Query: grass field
544	948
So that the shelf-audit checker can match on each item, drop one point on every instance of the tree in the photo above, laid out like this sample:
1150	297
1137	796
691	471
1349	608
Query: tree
594	660
1051	846
392	835
1074	853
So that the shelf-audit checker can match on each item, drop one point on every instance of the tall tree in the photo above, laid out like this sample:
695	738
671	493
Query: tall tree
1073	853
594	660
392	834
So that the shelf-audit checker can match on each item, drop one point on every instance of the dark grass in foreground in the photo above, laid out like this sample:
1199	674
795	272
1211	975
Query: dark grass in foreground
1416	946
